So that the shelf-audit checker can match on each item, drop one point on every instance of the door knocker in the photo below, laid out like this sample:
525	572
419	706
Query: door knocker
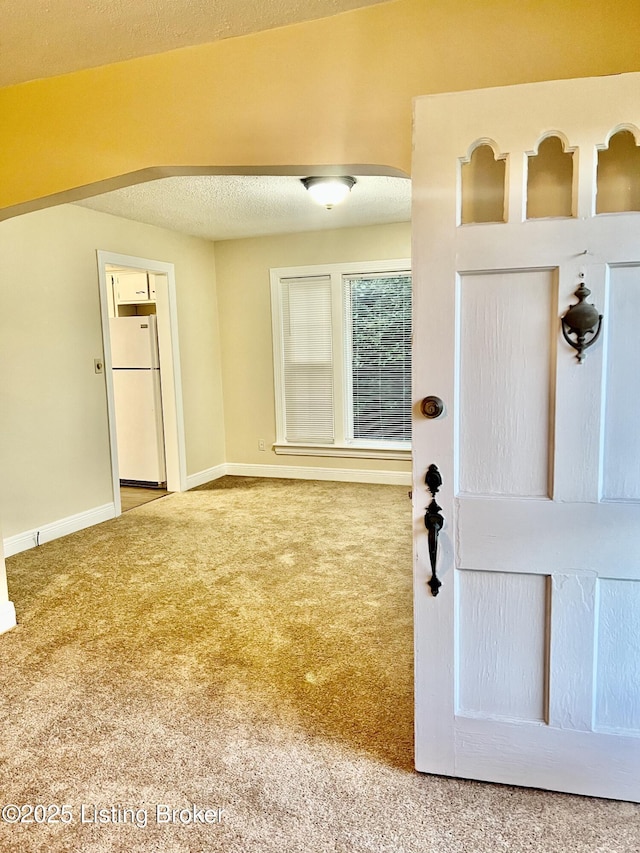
581	320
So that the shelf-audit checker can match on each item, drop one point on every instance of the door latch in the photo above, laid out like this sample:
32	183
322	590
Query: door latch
433	521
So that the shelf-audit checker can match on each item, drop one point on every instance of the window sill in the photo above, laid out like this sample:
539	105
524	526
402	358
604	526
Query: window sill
351	451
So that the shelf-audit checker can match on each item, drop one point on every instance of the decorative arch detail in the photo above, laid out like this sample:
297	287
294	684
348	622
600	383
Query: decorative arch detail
551	177
482	183
564	139
478	143
624	127
618	174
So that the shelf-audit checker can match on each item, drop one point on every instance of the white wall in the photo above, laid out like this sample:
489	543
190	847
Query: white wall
245	305
54	454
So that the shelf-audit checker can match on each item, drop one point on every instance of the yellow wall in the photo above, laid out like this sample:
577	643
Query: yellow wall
334	91
54	454
244	299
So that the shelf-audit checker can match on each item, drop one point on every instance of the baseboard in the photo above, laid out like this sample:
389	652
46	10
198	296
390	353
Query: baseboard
7	616
206	476
299	472
56	529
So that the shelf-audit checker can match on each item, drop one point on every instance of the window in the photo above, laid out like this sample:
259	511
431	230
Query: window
342	355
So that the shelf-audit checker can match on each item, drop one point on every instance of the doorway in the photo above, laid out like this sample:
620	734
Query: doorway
134	496
159	300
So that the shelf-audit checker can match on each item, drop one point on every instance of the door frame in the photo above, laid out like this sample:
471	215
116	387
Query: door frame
169	353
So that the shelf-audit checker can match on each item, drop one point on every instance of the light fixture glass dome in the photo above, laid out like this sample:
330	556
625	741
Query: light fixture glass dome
329	191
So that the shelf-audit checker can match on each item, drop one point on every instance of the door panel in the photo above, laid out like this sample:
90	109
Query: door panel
505	397
618	682
621	433
573	626
527	660
502	630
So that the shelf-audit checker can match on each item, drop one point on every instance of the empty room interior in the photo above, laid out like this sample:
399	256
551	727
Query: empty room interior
319	515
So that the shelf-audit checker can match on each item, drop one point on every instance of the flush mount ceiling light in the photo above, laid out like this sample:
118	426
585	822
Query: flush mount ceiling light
329	191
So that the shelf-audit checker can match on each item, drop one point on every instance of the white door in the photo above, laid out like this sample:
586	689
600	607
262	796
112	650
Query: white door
528	658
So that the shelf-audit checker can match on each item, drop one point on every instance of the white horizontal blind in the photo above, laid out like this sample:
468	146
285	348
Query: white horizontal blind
378	327
307	347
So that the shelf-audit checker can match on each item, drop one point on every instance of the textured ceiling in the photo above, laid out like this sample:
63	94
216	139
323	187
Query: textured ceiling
39	38
43	39
224	207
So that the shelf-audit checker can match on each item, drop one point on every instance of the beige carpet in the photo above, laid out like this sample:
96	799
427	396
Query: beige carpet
244	646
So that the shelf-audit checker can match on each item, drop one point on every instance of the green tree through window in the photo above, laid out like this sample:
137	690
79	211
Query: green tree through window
379	323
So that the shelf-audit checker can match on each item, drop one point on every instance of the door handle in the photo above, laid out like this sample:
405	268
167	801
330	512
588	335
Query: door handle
433	521
432	407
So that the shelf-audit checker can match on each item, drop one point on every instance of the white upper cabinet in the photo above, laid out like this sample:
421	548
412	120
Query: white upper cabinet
130	287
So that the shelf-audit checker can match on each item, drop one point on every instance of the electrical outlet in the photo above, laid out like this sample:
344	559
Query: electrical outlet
98	365
261	444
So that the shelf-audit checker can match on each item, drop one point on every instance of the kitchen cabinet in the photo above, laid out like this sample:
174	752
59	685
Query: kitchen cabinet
130	287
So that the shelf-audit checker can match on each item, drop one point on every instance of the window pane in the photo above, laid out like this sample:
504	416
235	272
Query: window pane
308	359
379	342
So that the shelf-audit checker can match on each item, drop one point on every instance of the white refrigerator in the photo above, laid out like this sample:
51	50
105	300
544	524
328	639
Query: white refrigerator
138	400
